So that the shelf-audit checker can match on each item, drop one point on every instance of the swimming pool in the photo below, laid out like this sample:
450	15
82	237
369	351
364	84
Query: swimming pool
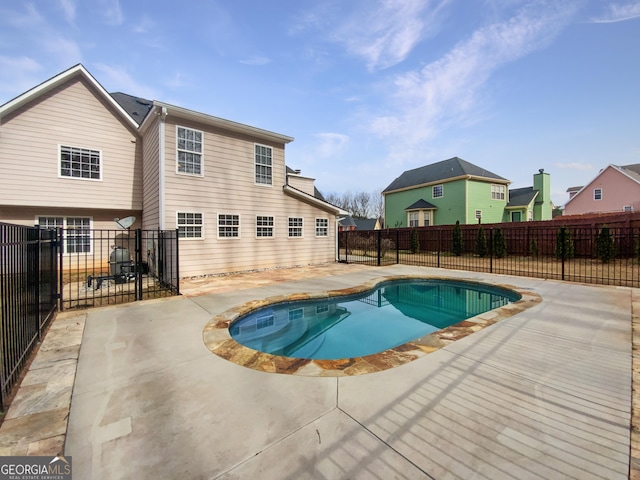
393	313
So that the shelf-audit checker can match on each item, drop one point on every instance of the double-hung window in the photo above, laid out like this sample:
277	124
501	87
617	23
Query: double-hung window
295	226
437	191
76	232
413	219
263	165
497	192
264	226
80	163
189	151
228	226
189	225
322	227
597	194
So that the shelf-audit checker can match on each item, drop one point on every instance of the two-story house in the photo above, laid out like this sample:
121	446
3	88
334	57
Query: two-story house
615	189
456	190
74	156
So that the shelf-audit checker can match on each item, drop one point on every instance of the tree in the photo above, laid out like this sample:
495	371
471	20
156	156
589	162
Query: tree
499	244
605	248
414	241
457	242
481	242
564	244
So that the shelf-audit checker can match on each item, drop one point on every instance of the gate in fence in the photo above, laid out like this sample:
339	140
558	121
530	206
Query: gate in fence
102	267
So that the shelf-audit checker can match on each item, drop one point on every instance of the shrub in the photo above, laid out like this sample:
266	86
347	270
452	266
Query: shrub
533	247
414	241
481	243
499	244
457	242
605	248
564	244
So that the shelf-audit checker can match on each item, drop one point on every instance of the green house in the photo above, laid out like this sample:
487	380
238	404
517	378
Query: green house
454	189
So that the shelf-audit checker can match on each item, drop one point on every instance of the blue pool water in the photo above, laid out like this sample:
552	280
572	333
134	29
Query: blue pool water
394	313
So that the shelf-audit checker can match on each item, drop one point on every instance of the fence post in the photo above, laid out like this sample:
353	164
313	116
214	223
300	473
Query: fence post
439	245
379	246
138	265
38	267
61	267
397	245
491	250
346	246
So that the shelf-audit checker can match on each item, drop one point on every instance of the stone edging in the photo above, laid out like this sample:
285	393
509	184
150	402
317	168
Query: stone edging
217	338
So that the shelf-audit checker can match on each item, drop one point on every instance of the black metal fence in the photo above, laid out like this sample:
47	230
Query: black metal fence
600	255
102	267
28	295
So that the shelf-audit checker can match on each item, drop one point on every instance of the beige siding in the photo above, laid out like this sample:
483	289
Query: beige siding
228	187
150	186
303	184
72	115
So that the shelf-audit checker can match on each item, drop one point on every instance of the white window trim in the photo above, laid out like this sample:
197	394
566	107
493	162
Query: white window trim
301	227
594	194
218	225
327	227
417	214
178	172
64	228
441	185
498	192
201	237
627	208
430	214
255	165
79	178
478	215
273	227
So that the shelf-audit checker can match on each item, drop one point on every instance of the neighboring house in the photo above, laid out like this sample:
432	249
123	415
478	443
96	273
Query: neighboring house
73	155
349	223
456	190
615	189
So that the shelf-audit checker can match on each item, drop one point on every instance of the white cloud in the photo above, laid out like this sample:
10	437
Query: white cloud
331	144
113	12
384	34
144	26
574	166
619	13
447	91
256	61
67	52
117	79
69	10
30	18
17	75
18	65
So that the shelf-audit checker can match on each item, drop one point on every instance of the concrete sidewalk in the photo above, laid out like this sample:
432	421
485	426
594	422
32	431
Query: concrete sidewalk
543	394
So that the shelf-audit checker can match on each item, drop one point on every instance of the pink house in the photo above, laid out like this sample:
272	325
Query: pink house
615	189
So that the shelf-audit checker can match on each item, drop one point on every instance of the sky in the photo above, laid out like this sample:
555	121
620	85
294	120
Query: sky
368	88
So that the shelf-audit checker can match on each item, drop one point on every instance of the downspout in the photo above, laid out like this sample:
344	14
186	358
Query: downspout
466	200
161	166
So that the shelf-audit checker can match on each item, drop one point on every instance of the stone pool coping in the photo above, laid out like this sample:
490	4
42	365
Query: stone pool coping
218	340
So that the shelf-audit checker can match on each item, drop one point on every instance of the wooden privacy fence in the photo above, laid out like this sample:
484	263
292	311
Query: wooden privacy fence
582	253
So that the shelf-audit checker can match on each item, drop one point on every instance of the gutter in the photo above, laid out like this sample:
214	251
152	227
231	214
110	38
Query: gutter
161	174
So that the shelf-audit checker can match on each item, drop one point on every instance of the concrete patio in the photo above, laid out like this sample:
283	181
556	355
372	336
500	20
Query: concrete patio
544	394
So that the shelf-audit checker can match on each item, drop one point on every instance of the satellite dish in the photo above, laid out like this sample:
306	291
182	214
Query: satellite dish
126	222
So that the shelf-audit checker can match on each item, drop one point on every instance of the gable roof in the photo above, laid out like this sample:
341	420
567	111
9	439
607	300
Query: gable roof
366	223
230	125
631	171
348	221
136	107
521	197
310	199
445	170
421	204
61	78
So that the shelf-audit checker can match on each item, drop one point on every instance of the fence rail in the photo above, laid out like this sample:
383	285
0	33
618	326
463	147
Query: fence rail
599	255
102	267
28	295
42	270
